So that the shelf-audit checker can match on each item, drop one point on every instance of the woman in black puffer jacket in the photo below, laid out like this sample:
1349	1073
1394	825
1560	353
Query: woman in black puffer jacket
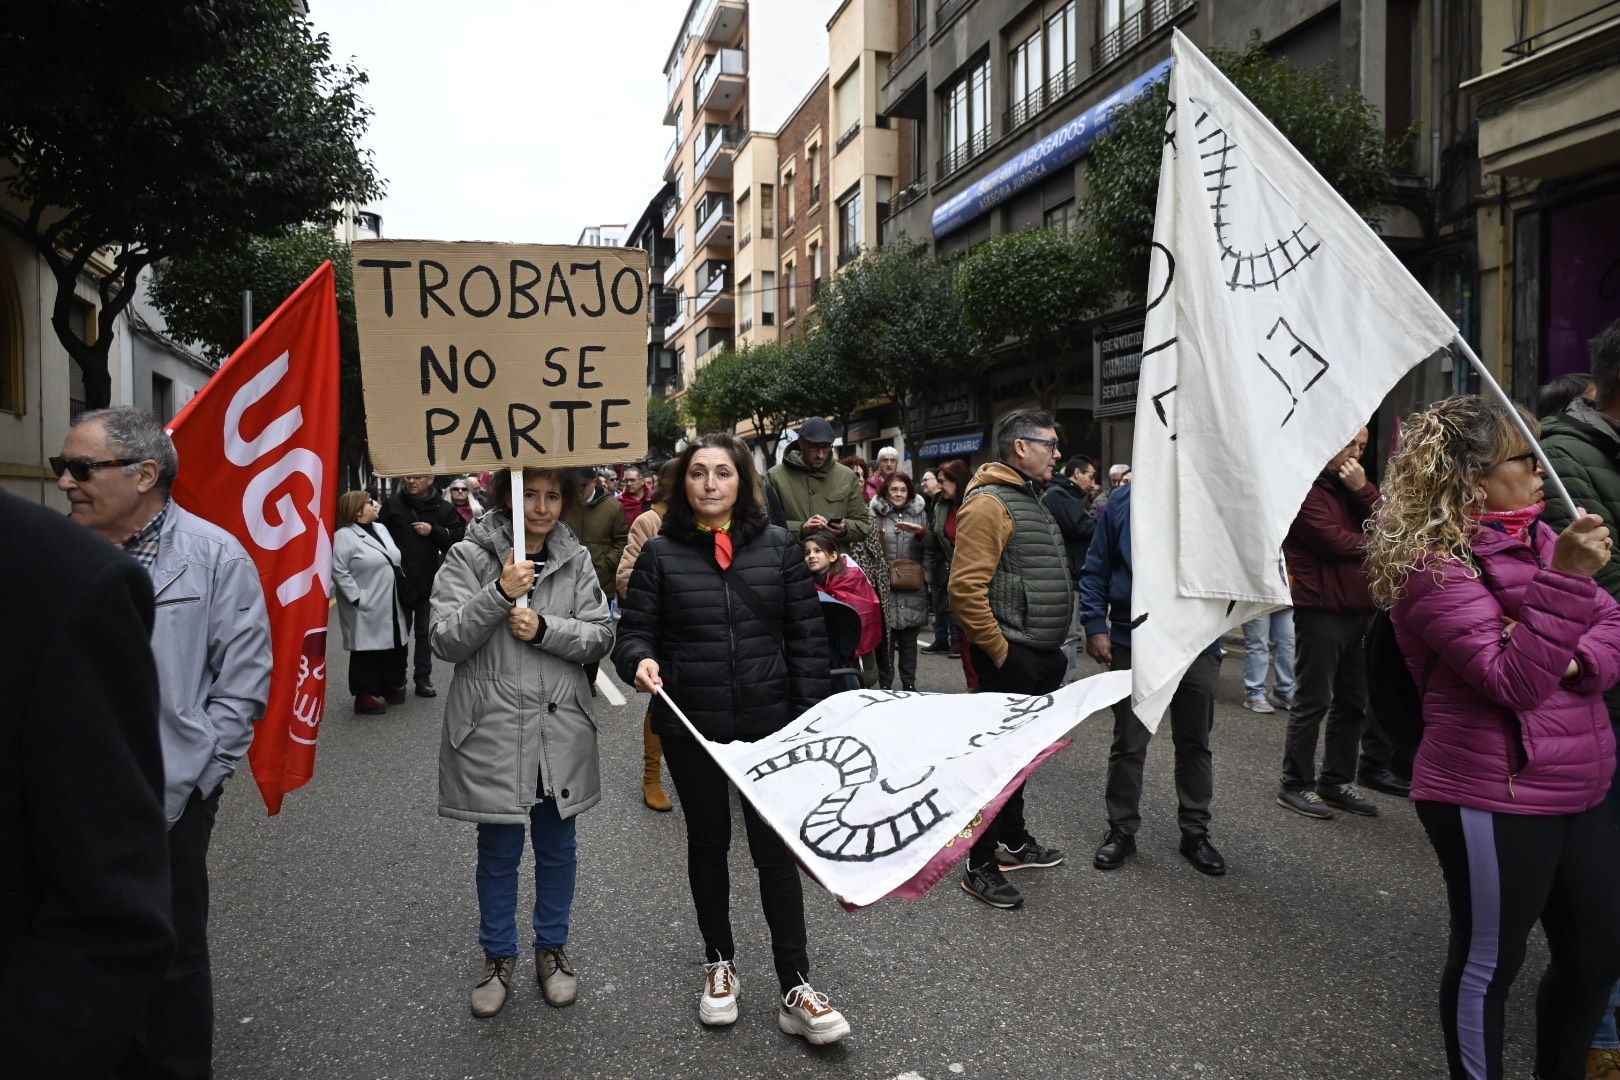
722	615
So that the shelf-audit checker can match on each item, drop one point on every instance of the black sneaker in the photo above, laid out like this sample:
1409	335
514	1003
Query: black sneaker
1346	798
989	884
1385	780
1308	803
1030	856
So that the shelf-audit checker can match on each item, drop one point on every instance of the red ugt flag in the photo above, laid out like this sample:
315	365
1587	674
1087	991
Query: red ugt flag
258	458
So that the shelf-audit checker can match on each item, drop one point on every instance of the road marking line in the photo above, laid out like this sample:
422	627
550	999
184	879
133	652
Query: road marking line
609	688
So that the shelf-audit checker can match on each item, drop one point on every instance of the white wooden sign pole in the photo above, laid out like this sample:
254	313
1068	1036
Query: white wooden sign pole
520	550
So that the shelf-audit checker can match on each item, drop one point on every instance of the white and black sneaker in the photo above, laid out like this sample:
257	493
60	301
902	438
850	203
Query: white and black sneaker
1346	798
1308	803
989	884
1028	856
717	1006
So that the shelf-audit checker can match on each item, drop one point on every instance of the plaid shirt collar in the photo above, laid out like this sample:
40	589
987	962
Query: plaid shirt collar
143	546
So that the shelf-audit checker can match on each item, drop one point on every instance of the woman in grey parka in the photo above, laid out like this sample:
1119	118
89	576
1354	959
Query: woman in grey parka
519	743
899	519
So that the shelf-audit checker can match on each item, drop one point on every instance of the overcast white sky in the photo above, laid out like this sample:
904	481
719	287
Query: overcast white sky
516	120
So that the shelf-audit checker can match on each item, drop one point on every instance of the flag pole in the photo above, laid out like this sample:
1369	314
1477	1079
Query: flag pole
1496	390
520	549
676	709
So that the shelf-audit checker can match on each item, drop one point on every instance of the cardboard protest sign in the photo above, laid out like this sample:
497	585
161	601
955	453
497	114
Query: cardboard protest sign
483	356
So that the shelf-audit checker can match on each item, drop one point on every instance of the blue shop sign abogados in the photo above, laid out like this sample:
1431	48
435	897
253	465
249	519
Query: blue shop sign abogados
952	445
1065	145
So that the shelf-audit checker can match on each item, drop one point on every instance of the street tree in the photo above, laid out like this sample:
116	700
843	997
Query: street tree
1031	293
664	426
893	312
764	384
132	133
835	384
200	298
1336	129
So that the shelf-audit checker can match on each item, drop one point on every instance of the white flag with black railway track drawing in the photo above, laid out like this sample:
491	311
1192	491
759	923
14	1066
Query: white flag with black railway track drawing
1277	321
879	792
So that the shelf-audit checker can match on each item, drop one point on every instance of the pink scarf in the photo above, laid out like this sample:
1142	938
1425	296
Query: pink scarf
1516	523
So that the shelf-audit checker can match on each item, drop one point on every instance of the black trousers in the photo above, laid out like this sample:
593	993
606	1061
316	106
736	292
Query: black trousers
1192	717
1330	677
705	797
374	671
1504	873
178	1040
1027	671
901	645
421	618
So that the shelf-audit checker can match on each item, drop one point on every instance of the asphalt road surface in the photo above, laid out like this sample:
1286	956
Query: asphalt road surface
345	935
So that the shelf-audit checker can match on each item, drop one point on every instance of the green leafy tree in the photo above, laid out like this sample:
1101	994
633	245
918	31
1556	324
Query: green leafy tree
765	384
835	384
894	313
1333	126
132	133
200	297
664	426
1033	291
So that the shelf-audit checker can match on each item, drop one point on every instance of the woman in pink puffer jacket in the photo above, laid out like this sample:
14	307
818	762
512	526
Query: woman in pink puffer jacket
1513	644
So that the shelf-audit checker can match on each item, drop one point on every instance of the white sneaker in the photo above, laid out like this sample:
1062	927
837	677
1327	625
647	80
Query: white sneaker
806	1011
717	1007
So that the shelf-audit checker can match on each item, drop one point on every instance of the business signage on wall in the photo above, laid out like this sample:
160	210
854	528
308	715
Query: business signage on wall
1116	364
1065	145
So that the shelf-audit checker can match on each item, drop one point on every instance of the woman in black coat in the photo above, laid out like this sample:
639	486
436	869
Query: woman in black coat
721	615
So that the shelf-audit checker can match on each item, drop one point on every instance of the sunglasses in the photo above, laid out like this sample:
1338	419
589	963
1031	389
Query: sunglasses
81	470
458	489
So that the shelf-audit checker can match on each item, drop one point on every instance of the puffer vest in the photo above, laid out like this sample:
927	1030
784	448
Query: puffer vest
1031	595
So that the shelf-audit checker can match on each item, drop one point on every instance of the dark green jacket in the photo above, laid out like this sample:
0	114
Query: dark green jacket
833	491
1584	448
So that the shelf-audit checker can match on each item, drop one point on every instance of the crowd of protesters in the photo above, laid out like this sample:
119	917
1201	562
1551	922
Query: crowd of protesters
737	600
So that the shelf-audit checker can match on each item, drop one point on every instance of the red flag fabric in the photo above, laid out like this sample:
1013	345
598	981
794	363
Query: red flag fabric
258	458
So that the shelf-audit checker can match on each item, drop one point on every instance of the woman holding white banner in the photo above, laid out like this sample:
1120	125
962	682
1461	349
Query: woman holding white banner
519	746
1511	644
722	616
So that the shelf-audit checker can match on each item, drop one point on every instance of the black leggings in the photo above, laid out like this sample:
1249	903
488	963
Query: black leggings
1503	873
705	796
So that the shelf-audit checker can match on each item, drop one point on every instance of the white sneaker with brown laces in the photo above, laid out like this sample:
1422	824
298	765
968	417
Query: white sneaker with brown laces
717	1007
806	1012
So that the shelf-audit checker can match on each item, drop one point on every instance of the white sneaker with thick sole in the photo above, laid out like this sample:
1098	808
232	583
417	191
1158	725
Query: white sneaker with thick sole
806	1012
717	1006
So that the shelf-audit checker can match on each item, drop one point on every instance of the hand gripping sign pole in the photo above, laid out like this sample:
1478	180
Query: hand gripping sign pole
1524	429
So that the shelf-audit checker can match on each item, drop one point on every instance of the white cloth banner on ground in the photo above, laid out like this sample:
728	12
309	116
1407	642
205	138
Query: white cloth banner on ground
1277	321
871	787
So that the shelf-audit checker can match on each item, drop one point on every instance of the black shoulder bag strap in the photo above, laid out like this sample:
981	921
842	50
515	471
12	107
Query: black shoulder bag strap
751	600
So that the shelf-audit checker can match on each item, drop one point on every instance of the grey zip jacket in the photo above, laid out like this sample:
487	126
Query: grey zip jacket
517	718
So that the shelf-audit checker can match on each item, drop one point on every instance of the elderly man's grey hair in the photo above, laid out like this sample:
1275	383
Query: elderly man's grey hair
1115	472
1022	424
133	434
888	452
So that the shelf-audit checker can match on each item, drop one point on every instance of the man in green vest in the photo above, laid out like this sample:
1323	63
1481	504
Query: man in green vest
1011	592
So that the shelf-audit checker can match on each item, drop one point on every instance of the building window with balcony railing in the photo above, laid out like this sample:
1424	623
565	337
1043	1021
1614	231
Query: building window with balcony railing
767	211
1122	24
965	112
1041	67
767	298
790	275
849	226
1026	79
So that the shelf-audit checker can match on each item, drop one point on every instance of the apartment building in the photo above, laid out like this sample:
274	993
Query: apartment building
603	235
663	376
802	210
1548	197
999	99
734	67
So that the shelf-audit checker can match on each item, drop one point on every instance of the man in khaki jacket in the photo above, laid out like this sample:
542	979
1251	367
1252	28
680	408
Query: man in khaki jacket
1012	594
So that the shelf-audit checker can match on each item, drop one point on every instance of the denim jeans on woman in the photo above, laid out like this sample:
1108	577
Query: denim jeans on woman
1269	640
500	853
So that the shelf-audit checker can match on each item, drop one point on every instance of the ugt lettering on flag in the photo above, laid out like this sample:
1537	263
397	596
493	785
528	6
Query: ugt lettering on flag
258	458
1277	321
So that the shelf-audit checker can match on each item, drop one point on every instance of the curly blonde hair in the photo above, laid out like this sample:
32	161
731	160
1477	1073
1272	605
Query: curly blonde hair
1431	495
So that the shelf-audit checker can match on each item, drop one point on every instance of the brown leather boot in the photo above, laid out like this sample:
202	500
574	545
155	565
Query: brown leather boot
652	752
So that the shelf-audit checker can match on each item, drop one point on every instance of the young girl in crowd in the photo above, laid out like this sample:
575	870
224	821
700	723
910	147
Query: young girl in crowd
839	577
1511	644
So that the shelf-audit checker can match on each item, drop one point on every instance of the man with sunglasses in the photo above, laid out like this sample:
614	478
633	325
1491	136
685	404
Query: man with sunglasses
1013	596
211	641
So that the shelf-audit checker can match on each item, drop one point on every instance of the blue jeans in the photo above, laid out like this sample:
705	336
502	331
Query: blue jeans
1267	640
500	852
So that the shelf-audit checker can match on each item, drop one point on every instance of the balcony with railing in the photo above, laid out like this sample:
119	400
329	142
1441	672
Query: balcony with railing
721	21
1138	23
957	156
848	254
668	213
678	322
1041	98
948	10
847	137
672	91
670	156
908	52
714	153
719	81
715	222
717	297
